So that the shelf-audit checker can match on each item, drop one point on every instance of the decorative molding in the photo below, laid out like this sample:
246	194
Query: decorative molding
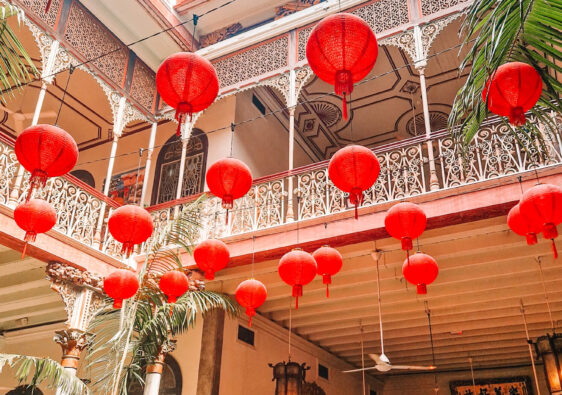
70	339
293	6
61	273
220	35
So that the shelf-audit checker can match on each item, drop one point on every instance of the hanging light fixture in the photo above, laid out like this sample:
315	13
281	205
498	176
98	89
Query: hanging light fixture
34	216
549	348
405	221
521	225
119	285
211	256
329	262
289	377
420	270
173	284
251	294
130	225
297	268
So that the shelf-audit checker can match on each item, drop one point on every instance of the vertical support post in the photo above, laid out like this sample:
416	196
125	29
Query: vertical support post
148	163
420	64
211	353
46	78
292	103
185	135
154	375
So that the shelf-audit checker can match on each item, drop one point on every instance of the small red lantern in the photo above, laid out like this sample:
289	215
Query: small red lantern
521	225
420	270
34	216
251	294
342	50
354	169
173	284
119	285
297	268
513	89
211	256
45	151
405	221
328	263
187	82
130	225
229	179
542	205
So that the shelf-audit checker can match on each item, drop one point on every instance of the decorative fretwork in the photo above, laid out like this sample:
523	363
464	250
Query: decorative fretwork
143	85
219	35
38	7
433	6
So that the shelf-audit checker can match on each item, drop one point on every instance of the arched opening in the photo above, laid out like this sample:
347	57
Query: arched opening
170	382
24	390
85	176
167	168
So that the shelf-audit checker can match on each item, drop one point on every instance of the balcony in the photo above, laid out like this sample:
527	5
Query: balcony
306	193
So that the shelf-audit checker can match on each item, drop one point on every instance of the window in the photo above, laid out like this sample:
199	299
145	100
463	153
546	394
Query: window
323	371
372	392
246	335
259	105
170	383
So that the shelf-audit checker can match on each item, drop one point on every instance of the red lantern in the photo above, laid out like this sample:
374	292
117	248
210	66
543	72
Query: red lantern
45	151
173	284
420	270
119	285
513	89
229	179
328	263
211	256
341	50
354	169
521	225
34	216
542	205
130	225
251	294
187	82
405	221
297	268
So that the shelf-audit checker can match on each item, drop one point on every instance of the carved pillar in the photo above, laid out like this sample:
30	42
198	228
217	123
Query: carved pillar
155	369
148	162
46	79
82	296
292	103
185	135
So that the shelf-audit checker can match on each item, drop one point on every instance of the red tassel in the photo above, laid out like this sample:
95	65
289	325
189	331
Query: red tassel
344	107
327	290
24	249
327	279
356	210
296	302
531	238
48	6
517	117
407	244
226	219
178	130
554	250
422	289
209	275
250	322
408	256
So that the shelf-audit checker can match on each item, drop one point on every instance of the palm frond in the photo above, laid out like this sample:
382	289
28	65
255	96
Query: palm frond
35	371
497	32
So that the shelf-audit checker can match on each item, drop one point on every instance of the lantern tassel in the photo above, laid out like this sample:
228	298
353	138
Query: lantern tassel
407	244
297	291
517	117
180	120
117	303
554	250
344	106
327	279
422	289
250	312
226	218
48	6
29	237
24	249
531	238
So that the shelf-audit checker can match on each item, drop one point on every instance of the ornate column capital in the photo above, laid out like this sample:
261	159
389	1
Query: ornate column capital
72	342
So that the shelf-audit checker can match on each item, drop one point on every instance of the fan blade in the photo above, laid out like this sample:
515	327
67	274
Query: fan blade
359	370
406	367
376	358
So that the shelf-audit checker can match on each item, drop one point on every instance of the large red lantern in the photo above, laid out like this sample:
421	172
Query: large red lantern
229	179
130	225
341	50
354	169
173	284
211	256
119	285
328	263
251	294
405	221
513	89
521	225
420	270
542	205
45	151
34	216
187	82
297	268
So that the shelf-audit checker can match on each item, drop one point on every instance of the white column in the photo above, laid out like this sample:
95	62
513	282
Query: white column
148	163
292	104
152	383
185	135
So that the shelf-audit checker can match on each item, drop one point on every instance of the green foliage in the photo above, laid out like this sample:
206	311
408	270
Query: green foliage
16	67
36	371
498	32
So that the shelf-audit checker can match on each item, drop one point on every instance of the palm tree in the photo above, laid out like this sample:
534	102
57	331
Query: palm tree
497	32
16	67
123	342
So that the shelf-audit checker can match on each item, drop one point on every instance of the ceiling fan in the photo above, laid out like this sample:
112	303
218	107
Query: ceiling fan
382	363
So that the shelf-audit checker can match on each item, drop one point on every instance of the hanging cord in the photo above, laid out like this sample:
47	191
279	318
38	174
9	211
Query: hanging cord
290	324
520	179
428	312
537	176
472	375
529	344
70	71
546	295
141	150
195	20
362	359
232	126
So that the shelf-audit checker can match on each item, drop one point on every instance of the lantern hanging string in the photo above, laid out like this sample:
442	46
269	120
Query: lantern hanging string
195	20
529	342
520	179
428	312
472	374
70	71
546	295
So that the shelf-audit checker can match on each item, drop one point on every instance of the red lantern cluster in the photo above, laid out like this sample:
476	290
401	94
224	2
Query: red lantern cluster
342	50
354	169
420	270
34	216
539	210
119	285
229	179
187	82
130	225
211	256
328	263
513	89
45	151
405	221
251	294
174	284
297	268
